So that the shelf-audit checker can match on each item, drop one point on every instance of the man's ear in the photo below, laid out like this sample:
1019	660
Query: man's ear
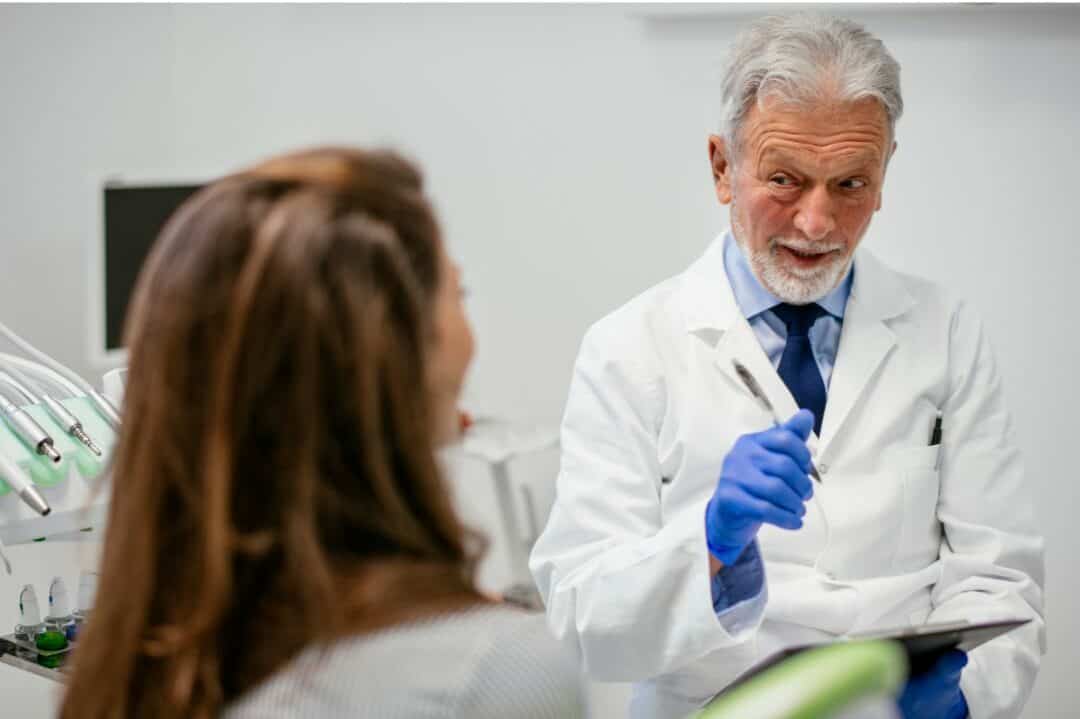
721	168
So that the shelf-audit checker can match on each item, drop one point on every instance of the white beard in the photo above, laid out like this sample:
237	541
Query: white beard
791	284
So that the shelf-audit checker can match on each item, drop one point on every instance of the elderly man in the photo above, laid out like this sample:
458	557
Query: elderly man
687	541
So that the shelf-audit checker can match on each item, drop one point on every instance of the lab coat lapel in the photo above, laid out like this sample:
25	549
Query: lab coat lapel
740	343
709	308
865	340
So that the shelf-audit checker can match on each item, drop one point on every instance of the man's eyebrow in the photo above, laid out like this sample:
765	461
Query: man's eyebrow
858	160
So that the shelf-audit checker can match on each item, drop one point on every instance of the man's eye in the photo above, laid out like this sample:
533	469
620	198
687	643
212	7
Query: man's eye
781	180
853	184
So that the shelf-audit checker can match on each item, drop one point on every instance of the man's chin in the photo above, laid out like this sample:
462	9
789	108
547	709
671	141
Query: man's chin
801	288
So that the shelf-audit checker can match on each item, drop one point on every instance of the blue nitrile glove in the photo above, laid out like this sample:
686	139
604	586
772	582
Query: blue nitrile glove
763	479
936	694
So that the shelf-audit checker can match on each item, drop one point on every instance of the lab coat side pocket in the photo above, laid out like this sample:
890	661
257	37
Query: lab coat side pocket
920	536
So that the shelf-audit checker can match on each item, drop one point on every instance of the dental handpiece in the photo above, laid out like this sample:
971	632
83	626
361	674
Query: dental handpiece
28	429
63	416
18	481
69	422
105	408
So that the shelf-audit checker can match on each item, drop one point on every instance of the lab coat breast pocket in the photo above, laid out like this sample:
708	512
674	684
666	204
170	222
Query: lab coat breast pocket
920	536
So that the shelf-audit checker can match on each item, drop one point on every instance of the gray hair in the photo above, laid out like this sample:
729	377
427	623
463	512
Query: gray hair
807	58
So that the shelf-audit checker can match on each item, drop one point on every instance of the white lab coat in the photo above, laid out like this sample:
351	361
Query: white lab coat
654	406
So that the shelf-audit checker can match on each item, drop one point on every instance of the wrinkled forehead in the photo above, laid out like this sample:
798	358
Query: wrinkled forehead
849	131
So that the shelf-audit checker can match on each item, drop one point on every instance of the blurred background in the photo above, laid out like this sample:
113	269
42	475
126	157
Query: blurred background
565	147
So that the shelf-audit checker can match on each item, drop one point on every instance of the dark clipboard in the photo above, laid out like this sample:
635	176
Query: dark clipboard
924	644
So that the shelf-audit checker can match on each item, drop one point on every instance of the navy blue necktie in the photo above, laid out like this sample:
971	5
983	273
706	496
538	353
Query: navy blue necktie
798	368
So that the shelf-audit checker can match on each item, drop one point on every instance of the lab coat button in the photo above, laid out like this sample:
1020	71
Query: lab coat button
823	468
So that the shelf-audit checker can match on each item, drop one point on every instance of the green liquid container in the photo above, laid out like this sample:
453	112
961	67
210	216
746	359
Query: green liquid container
50	641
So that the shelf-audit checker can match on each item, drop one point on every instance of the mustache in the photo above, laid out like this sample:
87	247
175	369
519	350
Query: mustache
819	247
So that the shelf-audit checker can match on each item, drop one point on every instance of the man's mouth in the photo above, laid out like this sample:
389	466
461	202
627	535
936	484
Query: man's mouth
807	258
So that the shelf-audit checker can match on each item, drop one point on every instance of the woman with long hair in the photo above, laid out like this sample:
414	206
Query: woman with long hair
280	541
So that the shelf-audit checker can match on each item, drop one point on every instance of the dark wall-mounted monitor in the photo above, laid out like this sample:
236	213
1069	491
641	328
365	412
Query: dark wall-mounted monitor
134	215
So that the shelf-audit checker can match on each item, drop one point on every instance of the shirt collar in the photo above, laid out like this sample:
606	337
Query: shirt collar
753	299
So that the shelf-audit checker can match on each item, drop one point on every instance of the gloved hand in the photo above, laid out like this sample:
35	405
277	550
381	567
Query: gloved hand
936	694
763	479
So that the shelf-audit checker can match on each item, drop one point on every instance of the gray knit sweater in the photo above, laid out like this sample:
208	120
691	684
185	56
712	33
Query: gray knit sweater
487	662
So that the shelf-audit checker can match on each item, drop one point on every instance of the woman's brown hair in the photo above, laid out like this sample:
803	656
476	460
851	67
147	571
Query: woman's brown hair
274	482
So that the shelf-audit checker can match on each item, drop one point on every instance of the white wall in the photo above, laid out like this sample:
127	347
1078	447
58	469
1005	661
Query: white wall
565	146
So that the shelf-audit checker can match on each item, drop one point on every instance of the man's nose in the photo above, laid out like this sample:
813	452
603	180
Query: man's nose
814	216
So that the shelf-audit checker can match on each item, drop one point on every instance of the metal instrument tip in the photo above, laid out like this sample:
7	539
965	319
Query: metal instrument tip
83	437
49	451
33	498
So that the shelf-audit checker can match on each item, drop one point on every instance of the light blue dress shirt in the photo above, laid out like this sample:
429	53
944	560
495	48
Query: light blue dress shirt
733	586
756	303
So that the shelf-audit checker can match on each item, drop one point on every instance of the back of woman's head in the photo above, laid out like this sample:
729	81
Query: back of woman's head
274	481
